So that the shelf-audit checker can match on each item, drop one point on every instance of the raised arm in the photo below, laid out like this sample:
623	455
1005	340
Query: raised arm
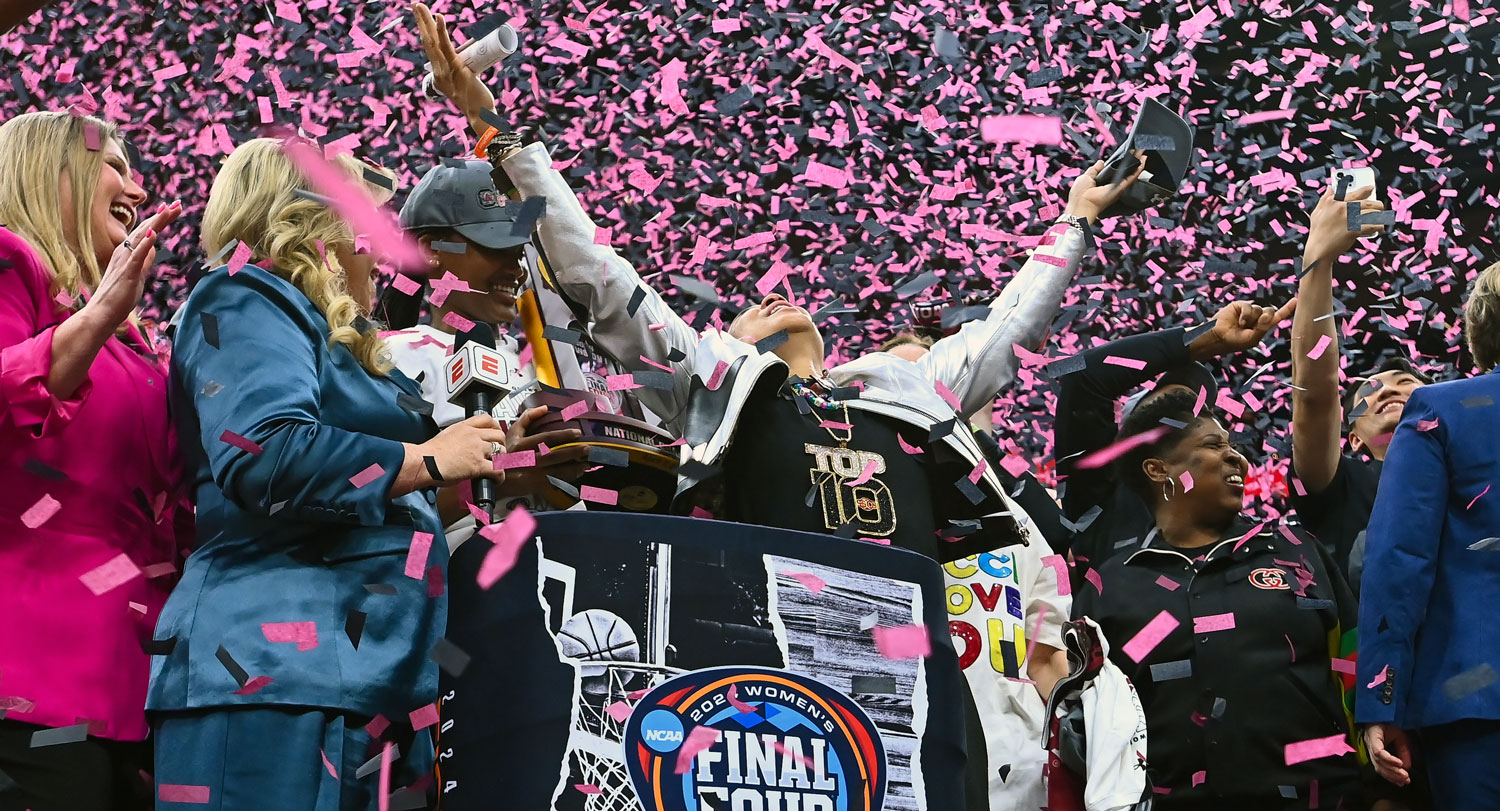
1316	414
605	285
979	360
1086	398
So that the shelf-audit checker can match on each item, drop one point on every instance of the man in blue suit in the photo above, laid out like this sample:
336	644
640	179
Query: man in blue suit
1429	654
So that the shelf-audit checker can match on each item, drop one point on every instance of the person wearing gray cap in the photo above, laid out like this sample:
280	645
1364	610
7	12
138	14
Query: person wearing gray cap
473	246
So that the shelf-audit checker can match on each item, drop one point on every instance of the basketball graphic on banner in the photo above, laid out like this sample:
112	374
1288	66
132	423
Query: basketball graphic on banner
599	636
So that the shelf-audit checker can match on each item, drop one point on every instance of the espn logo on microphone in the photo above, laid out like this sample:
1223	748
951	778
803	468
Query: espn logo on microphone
476	363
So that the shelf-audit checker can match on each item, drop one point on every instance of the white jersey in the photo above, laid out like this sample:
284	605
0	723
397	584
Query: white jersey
420	353
995	601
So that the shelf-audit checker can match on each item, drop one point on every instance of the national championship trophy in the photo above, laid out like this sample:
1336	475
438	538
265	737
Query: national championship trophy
571	369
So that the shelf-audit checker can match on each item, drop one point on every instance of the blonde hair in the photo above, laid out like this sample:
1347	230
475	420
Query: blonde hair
35	148
254	200
1482	318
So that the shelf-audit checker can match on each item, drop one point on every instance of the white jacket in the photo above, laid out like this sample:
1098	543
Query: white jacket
975	364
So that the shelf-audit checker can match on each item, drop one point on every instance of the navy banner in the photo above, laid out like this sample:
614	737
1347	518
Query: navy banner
648	663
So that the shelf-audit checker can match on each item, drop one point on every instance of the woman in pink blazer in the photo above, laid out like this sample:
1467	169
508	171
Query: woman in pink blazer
92	498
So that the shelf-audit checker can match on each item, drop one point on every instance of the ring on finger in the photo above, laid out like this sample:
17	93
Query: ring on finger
127	243
495	449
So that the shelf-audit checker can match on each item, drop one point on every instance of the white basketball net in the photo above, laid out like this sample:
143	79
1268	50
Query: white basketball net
597	746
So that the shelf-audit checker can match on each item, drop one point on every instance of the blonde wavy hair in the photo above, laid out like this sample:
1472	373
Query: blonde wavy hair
1482	318
254	200
35	148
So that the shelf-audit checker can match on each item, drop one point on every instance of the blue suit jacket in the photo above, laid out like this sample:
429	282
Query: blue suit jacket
284	535
1427	606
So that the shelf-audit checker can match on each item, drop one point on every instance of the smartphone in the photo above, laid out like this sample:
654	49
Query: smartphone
1359	177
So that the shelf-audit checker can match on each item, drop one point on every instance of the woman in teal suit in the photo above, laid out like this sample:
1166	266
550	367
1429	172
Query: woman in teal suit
296	647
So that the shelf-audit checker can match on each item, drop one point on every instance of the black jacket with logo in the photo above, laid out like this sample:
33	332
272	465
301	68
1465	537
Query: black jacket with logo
1222	705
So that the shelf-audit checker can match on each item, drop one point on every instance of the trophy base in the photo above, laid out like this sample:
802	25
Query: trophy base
646	484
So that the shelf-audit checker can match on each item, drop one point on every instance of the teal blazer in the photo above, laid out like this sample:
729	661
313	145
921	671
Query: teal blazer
288	530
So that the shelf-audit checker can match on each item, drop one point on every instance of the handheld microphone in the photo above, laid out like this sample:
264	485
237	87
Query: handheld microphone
480	55
477	379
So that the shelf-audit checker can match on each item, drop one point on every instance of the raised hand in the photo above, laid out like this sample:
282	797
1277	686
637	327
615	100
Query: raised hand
1087	198
449	74
1238	327
124	280
1328	234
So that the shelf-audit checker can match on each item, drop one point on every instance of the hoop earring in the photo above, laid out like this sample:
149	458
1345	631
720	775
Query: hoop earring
1168	484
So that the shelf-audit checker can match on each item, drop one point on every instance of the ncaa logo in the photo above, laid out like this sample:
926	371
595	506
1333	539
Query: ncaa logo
1269	579
774	740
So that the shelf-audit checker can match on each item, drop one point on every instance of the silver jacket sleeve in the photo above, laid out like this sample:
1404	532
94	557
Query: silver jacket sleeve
980	360
603	282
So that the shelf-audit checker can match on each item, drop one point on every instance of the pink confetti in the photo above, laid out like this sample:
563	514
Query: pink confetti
599	495
911	449
241	257
1426	425
515	459
624	382
978	472
40	512
1478	497
1092	575
697	739
864	475
355	205
231	438
1015	465
825	175
948	396
377	726
717	377
618	711
1129	363
169	72
833	425
902	642
810	581
406	284
457	322
118	571
1343	666
1146	639
384	790
1187	481
304	634
328	764
416	554
1379	678
367	475
1266	115
1318	348
1059	565
588	788
254	686
508	536
1036	129
1109	453
423	717
1167	583
1213	622
735	702
1199	777
1330	746
170	793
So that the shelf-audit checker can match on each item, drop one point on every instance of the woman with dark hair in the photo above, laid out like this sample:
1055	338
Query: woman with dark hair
1232	632
93	509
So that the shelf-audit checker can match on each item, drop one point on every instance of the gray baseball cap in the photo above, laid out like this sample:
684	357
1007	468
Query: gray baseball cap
465	200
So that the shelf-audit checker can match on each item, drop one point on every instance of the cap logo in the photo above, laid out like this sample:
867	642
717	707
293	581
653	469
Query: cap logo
489	198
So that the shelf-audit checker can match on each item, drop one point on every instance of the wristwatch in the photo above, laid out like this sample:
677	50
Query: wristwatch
1081	223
